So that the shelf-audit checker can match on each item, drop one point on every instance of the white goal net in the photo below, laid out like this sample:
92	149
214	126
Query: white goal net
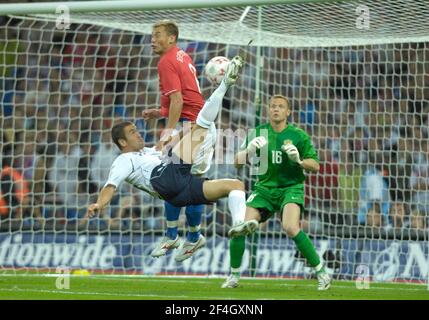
356	77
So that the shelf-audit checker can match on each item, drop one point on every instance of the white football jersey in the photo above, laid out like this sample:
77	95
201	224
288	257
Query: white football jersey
136	169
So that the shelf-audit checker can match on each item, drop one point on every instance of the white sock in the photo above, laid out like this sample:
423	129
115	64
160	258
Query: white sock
318	267
210	110
235	270
237	205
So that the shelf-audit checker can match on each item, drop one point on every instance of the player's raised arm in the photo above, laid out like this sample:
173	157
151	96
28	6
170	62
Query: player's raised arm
103	200
293	154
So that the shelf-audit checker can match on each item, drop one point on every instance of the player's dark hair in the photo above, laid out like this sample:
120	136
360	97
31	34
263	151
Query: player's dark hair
118	132
170	27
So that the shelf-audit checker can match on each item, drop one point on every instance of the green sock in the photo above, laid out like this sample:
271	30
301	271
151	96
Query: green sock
236	252
306	247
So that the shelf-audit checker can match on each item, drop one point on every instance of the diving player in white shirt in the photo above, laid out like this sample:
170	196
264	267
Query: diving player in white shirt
171	178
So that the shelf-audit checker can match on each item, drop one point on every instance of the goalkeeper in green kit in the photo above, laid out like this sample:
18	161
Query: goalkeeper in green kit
284	152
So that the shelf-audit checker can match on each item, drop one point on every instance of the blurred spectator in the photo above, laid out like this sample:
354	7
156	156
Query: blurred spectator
420	186
15	197
399	166
307	114
349	179
398	214
102	159
43	189
358	145
333	142
323	186
11	48
129	214
374	201
64	176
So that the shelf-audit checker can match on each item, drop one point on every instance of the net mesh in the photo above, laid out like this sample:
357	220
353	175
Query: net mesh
338	23
361	95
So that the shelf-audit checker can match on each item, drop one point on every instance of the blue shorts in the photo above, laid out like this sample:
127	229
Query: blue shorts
175	184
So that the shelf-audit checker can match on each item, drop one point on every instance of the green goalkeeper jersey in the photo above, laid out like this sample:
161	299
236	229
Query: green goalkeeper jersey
275	168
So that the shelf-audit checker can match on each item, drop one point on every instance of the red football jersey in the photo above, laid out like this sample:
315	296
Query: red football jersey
177	72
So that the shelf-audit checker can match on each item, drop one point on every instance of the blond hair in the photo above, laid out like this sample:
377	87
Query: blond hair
170	27
279	96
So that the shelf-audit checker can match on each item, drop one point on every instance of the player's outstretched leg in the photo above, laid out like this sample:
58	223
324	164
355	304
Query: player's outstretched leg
165	245
189	248
201	162
187	148
214	190
204	155
194	239
243	228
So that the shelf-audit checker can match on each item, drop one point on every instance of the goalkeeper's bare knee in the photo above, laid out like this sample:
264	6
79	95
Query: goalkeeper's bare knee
291	229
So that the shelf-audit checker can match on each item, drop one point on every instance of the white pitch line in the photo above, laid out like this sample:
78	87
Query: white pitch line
66	291
112	294
163	277
378	287
130	295
177	280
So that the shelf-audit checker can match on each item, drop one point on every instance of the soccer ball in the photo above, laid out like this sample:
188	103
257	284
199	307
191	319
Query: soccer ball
215	69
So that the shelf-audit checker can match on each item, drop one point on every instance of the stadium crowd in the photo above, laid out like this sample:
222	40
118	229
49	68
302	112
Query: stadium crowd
365	108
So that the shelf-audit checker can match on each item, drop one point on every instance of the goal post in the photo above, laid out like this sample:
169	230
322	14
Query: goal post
356	80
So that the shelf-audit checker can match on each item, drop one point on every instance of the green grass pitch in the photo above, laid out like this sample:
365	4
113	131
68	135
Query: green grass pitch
40	287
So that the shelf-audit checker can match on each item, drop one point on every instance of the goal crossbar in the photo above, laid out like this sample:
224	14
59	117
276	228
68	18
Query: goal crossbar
135	5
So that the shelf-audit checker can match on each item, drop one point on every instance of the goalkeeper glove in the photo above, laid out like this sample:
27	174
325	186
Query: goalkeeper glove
292	152
256	144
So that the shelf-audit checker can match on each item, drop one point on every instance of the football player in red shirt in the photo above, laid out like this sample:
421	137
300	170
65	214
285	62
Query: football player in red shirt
181	101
